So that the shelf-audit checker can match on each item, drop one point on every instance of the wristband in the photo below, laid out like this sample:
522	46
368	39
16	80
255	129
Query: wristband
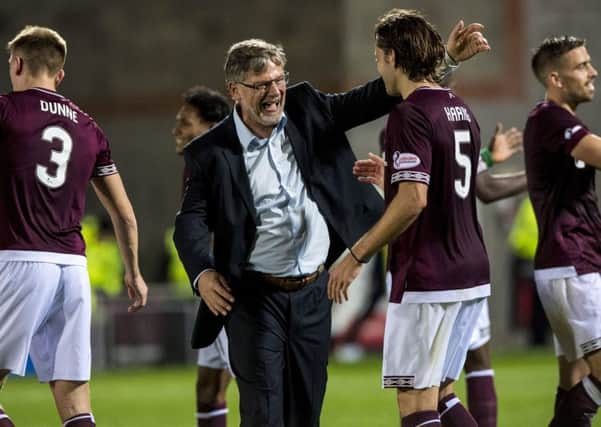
449	60
360	261
487	157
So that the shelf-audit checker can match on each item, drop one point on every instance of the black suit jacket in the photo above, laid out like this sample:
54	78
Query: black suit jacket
218	197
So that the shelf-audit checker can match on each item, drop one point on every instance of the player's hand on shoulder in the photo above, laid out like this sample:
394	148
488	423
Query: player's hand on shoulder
137	292
371	170
215	292
341	276
505	144
466	41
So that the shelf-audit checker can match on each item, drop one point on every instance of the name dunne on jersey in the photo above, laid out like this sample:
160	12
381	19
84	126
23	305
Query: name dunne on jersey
58	108
457	114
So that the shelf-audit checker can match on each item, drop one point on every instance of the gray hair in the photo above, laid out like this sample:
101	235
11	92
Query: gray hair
251	55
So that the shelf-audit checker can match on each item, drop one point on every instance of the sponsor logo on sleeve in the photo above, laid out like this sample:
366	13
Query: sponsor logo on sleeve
570	132
405	160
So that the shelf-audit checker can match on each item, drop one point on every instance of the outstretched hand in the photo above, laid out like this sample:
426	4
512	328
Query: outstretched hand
370	170
466	41
505	144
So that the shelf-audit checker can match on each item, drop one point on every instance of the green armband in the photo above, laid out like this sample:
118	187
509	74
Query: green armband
487	157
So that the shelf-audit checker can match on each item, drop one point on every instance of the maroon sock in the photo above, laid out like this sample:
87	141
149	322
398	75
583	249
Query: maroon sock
481	397
80	420
578	406
4	420
454	414
559	395
428	418
215	416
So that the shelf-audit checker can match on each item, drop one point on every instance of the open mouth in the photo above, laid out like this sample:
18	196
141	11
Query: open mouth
270	107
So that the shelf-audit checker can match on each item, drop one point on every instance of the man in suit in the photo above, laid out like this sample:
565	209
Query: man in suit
274	183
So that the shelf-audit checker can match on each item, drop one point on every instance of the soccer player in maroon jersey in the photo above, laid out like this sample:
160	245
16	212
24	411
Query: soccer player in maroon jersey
440	275
481	394
201	110
561	157
51	149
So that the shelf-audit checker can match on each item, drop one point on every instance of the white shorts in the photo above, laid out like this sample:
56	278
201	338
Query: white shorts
45	312
573	307
481	333
216	355
426	343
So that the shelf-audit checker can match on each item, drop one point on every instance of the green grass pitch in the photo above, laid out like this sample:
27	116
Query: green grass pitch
163	397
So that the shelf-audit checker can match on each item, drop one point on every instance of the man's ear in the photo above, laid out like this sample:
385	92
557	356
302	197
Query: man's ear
233	90
20	65
554	79
59	77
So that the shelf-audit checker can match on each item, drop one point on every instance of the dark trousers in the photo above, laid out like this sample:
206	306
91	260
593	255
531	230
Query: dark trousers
278	345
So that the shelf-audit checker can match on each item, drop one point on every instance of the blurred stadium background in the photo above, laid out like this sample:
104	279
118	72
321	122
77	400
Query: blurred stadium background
127	65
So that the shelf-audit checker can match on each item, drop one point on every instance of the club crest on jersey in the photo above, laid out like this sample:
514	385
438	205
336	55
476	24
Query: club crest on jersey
570	132
405	160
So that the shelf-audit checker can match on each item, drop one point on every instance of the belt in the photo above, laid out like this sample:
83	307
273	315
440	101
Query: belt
287	284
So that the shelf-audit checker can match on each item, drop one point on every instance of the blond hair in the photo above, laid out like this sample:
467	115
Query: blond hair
41	49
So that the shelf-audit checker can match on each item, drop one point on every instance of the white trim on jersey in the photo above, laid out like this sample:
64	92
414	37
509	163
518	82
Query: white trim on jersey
451	295
410	176
41	256
553	273
49	92
105	170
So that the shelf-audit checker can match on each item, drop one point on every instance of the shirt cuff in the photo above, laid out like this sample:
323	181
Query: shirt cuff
195	282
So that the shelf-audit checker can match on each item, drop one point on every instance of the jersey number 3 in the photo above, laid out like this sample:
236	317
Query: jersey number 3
462	187
59	157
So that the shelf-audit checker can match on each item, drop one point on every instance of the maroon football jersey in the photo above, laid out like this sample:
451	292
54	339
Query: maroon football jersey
433	138
50	150
562	191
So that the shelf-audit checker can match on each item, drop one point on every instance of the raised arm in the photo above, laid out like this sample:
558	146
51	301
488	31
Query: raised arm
503	145
112	195
588	150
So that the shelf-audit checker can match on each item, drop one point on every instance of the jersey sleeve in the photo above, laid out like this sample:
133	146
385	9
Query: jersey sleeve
567	131
104	165
409	134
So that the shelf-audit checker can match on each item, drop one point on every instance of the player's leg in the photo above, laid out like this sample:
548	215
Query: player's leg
61	350
572	306
444	331
211	387
72	399
5	420
418	407
212	380
26	289
570	374
479	376
452	412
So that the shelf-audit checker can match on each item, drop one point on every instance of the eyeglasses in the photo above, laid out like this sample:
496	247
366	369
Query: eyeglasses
263	86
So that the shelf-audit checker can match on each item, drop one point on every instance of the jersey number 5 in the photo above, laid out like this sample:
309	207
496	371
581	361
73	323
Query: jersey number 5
59	157
462	188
